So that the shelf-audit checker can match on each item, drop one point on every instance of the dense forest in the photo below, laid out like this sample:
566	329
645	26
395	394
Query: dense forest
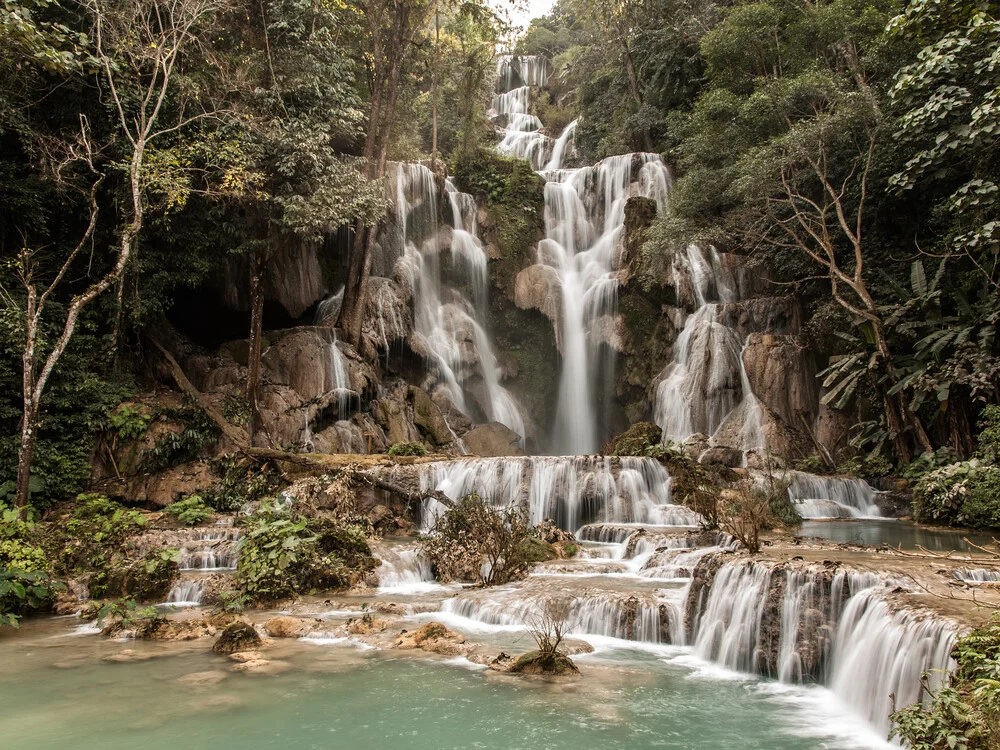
188	188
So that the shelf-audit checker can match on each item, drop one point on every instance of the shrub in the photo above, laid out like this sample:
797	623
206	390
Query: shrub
241	481
282	555
117	616
962	494
479	542
966	713
145	579
95	532
175	448
813	464
872	466
190	511
636	440
407	449
988	449
744	512
927	462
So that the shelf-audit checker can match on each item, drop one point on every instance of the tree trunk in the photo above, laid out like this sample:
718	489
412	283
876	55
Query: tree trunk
25	454
256	334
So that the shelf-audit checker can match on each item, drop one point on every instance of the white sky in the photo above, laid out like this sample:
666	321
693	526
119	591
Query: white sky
522	11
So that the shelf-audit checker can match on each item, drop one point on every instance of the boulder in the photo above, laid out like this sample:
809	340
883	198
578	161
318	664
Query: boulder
537	287
782	377
493	439
544	663
435	638
428	418
285	626
239	636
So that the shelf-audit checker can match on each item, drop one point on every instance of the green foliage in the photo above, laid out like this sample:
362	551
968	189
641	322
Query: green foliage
476	541
190	511
129	422
407	449
96	530
26	581
637	440
147	578
870	466
124	614
199	432
283	555
241	481
960	494
927	462
965	714
812	464
988	449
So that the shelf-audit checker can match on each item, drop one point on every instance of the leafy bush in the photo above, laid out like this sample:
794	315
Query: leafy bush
479	542
408	449
928	461
637	440
960	494
176	448
95	532
190	511
988	449
813	464
282	555
872	466
964	715
146	579
26	581
119	615
241	480
129	422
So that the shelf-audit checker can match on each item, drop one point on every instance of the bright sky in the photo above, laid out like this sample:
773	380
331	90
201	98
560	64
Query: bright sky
522	11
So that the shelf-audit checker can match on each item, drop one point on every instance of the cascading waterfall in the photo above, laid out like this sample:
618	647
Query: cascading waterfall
706	385
569	490
405	569
186	592
878	655
977	575
584	217
832	497
448	329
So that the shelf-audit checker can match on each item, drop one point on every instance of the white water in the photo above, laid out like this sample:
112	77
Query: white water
186	592
706	385
405	569
832	497
584	217
977	575
448	328
571	490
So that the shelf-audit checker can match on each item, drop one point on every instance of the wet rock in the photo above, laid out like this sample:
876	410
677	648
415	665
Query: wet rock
367	626
537	287
285	626
435	638
493	439
543	663
721	456
239	636
128	655
202	679
782	377
427	417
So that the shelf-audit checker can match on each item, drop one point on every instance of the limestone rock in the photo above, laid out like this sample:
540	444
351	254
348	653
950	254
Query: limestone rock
781	376
537	287
285	626
493	439
539	663
435	638
427	417
239	636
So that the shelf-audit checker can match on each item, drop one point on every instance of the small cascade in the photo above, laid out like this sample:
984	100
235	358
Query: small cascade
405	569
186	592
629	616
729	626
832	497
337	377
706	386
328	309
977	575
570	490
448	328
878	654
213	549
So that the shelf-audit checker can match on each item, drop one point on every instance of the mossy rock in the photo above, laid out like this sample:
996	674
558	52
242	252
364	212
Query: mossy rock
544	663
537	550
147	579
636	440
239	636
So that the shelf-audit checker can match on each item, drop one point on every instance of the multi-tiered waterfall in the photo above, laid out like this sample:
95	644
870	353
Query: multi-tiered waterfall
584	219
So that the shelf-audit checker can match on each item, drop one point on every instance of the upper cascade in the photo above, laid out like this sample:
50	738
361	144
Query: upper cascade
449	329
584	219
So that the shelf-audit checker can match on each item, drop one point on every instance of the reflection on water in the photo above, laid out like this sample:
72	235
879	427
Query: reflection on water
893	533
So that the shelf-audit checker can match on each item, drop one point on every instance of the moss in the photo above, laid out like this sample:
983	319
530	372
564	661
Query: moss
239	636
147	579
636	440
536	550
515	197
407	449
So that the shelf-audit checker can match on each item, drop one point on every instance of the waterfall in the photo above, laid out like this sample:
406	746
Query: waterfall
404	569
832	497
584	218
729	627
449	329
706	385
878	654
977	575
186	592
571	490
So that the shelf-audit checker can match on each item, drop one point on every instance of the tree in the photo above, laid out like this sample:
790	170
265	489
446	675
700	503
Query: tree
390	28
